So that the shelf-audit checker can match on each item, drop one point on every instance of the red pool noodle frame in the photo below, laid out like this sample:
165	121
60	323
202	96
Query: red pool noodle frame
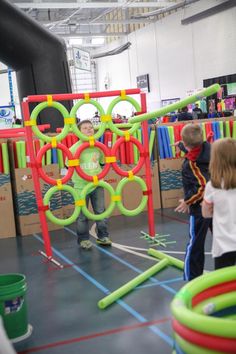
140	163
39	158
106	153
35	167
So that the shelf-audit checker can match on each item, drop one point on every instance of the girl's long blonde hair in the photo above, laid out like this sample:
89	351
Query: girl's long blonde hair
223	163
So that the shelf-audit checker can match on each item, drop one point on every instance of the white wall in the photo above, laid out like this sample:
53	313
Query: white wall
176	57
115	72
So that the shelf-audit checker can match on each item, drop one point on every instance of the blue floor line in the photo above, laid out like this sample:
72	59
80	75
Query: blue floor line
160	283
128	308
120	260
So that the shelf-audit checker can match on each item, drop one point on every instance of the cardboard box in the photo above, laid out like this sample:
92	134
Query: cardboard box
132	192
27	218
171	182
7	219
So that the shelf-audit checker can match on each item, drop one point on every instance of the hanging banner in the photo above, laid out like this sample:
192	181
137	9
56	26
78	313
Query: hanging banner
7	114
81	59
143	82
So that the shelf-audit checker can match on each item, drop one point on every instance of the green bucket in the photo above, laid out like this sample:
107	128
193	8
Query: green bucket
13	306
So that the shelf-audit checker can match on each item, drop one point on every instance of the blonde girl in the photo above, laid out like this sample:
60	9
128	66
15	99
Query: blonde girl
220	201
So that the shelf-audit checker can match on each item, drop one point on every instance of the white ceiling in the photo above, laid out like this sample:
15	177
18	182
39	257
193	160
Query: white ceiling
95	18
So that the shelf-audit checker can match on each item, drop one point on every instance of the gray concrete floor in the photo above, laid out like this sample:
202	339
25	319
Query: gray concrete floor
62	303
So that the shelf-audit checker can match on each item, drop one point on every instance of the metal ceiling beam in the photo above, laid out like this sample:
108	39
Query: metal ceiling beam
100	23
209	12
172	7
92	5
89	34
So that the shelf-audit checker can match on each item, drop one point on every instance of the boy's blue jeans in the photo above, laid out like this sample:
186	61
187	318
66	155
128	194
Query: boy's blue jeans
96	197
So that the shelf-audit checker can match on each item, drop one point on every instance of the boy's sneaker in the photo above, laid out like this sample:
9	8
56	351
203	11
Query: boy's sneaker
86	244
105	241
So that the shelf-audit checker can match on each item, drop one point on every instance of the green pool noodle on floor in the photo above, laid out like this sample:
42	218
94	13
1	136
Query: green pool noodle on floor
171	260
5	158
117	294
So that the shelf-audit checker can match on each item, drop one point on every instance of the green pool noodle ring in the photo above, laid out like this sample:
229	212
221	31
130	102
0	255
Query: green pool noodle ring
102	125
123	290
62	109
49	214
218	303
143	203
190	348
86	190
113	103
181	306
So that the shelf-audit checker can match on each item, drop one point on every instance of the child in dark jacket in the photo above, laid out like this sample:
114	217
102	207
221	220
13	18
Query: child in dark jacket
195	174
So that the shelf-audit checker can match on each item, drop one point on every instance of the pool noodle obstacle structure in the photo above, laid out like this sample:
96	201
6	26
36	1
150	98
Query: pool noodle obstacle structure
36	161
110	159
204	313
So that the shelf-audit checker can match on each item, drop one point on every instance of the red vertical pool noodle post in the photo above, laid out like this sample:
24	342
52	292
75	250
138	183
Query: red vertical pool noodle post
36	178
151	224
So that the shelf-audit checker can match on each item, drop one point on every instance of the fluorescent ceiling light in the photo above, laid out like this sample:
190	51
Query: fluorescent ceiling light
98	40
76	41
